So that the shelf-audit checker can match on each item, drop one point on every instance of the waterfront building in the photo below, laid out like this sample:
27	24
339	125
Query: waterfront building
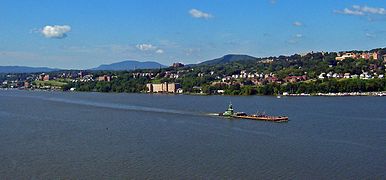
163	88
180	91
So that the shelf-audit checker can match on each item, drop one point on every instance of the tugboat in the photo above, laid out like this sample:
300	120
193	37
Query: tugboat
229	112
260	117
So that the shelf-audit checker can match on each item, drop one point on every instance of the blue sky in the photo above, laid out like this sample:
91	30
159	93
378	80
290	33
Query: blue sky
82	34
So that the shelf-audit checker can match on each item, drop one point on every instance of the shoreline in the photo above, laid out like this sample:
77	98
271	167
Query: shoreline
341	94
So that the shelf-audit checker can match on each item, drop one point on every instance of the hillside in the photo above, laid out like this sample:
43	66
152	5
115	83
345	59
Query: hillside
24	69
227	59
129	65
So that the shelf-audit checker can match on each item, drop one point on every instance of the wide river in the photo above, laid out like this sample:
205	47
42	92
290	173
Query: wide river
58	135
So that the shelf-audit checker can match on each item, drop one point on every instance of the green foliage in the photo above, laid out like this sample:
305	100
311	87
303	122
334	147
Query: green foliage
310	87
311	65
52	83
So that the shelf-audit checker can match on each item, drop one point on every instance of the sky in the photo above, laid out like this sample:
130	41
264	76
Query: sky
82	34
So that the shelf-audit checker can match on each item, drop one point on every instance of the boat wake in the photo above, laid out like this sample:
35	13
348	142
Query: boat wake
124	107
212	114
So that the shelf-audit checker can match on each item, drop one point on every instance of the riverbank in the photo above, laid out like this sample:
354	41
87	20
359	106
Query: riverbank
341	94
383	93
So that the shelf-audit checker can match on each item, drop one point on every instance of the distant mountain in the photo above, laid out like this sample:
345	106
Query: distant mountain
129	65
24	69
227	59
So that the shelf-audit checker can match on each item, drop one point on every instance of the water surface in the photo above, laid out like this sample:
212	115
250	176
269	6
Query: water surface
45	135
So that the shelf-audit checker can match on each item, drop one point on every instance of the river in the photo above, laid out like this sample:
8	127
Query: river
63	135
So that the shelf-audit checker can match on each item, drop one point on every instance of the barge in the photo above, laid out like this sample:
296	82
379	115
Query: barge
259	117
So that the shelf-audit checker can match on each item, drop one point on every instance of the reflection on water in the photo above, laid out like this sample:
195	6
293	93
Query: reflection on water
47	135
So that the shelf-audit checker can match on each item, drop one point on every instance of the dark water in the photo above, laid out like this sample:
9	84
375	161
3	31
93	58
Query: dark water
45	135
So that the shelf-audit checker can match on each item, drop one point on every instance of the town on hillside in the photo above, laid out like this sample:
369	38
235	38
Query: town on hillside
310	73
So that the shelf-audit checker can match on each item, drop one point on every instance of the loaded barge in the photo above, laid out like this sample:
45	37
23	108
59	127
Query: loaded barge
259	117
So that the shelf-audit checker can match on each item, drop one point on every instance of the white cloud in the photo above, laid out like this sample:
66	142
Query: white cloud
56	31
146	47
297	23
370	10
348	11
199	14
149	48
370	35
298	35
357	10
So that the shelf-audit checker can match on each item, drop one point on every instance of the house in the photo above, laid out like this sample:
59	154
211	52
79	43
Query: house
272	79
27	84
346	56
220	91
373	66
104	78
365	75
347	75
180	91
329	75
257	82
321	76
355	76
197	89
44	77
228	78
252	75
87	78
375	56
365	55
293	79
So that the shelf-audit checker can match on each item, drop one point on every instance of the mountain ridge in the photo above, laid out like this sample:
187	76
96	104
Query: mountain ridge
25	69
129	65
228	58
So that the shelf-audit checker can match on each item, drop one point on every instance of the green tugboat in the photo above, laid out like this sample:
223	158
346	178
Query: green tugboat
260	117
229	112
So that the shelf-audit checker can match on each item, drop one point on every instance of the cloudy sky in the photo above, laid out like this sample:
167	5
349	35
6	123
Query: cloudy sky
83	34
